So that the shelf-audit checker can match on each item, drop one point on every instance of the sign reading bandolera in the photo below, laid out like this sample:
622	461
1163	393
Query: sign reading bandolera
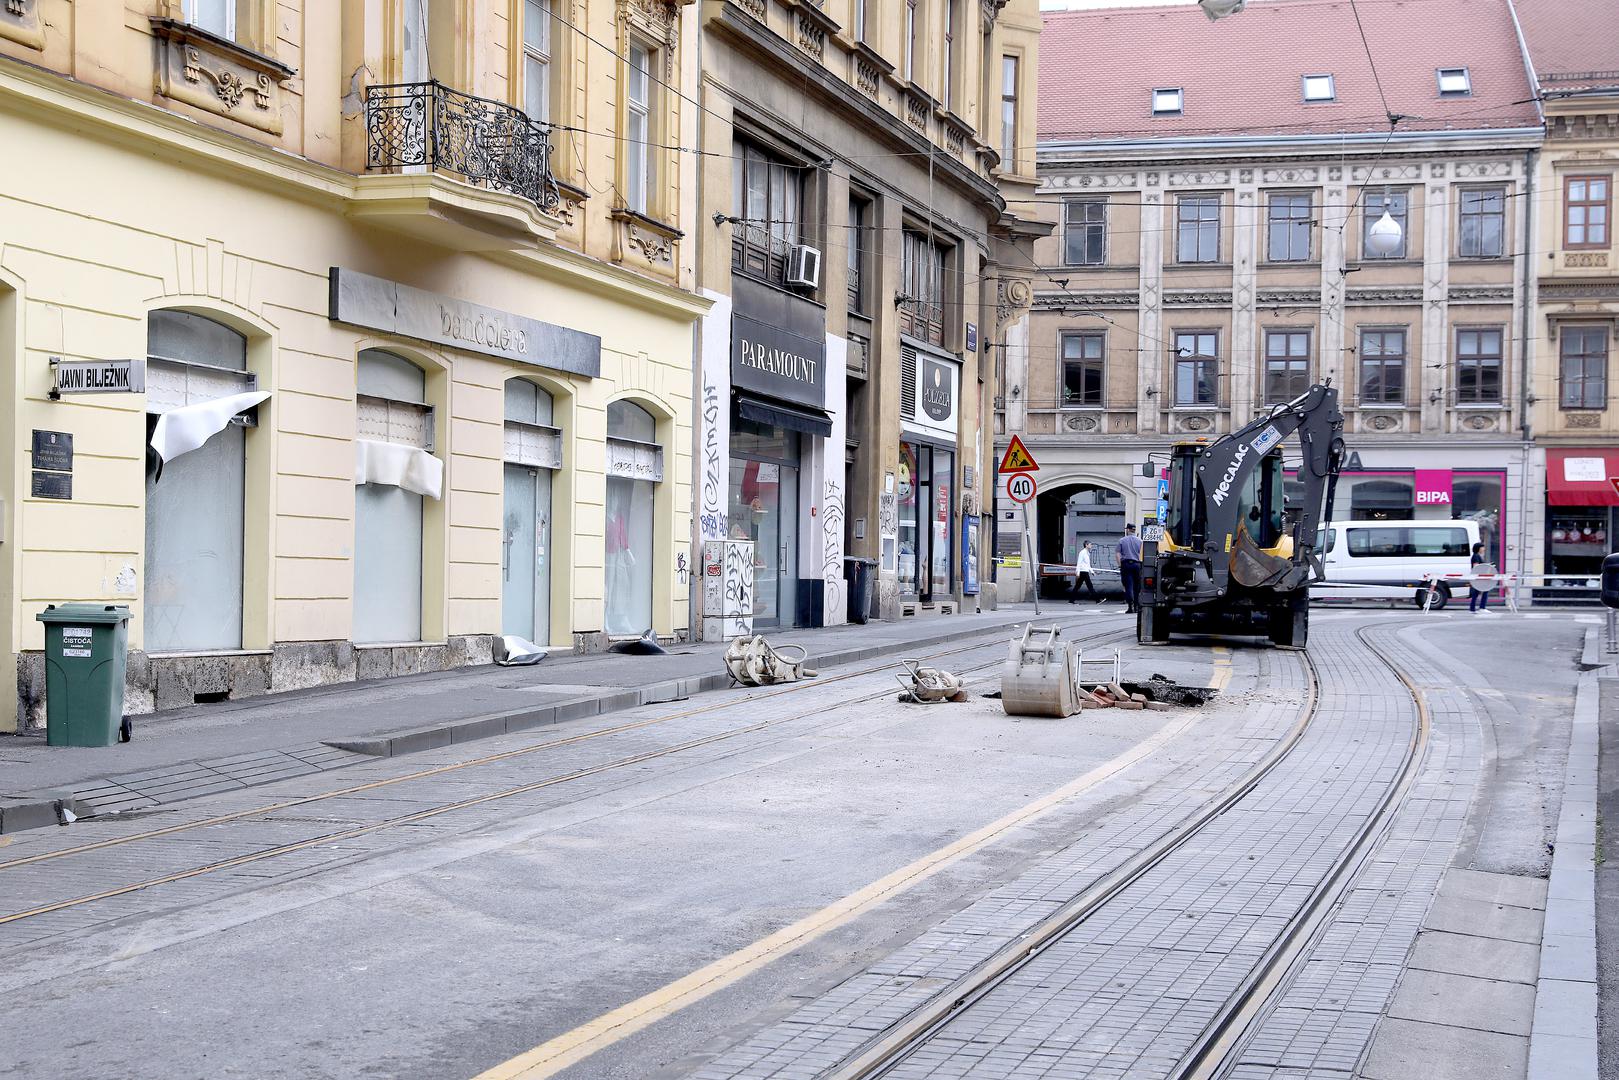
99	376
769	360
378	304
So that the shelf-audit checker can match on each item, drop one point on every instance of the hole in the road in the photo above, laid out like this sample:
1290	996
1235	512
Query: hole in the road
210	697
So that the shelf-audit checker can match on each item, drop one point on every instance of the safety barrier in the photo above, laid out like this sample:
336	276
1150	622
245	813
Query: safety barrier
1506	584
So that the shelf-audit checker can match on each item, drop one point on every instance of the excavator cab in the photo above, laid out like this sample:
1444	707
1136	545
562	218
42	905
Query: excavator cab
1260	503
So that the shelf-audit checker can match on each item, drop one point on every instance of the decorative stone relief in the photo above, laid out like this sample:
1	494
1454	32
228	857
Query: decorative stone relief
1287	297
659	20
916	112
1081	423
1198	177
1085	181
1471	169
1480	293
640	239
1582	419
1585	259
1121	423
1152	179
1112	298
1437	169
19	22
1479	421
1193	422
1385	172
1245	297
1245	176
218	76
811	37
1388	295
1303	174
1197	298
1013	296
1336	172
756	8
1380	422
955	139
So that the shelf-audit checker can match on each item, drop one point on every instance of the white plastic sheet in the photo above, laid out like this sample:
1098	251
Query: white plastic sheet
402	466
185	429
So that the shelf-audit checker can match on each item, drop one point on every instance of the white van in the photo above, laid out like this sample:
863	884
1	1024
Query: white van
1398	554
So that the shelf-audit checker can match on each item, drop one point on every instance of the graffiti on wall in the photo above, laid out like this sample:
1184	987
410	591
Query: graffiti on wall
832	548
712	515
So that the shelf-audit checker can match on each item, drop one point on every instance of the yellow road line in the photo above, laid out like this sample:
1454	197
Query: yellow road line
569	1048
1222	667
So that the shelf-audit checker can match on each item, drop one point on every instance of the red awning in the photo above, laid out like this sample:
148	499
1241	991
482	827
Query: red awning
1581	477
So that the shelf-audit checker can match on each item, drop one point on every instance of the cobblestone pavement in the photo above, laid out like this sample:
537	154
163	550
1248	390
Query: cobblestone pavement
1130	990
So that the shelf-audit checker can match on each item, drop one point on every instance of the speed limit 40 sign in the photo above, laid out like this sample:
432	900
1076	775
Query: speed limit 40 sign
1020	487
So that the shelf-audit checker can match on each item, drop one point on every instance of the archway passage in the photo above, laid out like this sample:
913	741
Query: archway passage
1070	514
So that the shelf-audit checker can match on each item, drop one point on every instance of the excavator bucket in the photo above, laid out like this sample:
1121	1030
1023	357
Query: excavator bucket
1253	567
1040	676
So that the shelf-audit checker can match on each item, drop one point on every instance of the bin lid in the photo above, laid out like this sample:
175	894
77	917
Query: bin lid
84	613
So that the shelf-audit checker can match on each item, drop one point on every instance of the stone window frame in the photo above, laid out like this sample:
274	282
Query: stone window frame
1289	223
1069	225
1605	204
1194	359
1586	399
1288	359
1383	360
1462	214
1199	223
1479	360
1099	361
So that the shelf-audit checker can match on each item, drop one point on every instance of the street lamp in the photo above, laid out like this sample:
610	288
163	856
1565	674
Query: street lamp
1219	9
1384	237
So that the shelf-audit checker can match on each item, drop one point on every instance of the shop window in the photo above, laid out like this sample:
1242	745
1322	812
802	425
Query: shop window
1382	367
764	508
1197	368
921	309
1085	232
1586	204
532	452
926	530
1583	367
1382	500
394	429
194	492
1478	366
1482	215
635	467
1287	365
1288	227
1084	369
1197	228
767	198
1397	205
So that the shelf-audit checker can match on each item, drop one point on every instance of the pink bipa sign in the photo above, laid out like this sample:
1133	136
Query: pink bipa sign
1433	487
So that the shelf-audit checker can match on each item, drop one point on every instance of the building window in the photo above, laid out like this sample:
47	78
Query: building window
1287	365
859	253
1584	366
1082	370
1394	203
214	16
1478	367
1586	203
1167	102
862	19
537	60
1085	232
767	200
1197	221
1288	227
1483	223
947	89
1454	82
921	311
1319	88
912	28
1009	65
1382	367
1197	368
640	173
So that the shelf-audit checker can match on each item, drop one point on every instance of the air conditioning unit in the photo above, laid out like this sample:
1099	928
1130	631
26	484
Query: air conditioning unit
804	267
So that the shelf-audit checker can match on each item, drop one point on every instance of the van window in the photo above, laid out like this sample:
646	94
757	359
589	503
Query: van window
1326	540
1393	542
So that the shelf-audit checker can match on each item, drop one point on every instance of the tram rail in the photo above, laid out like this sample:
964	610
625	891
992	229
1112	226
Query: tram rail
353	831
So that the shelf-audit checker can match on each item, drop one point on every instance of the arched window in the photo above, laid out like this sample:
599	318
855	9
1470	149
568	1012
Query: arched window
197	387
533	450
394	471
634	468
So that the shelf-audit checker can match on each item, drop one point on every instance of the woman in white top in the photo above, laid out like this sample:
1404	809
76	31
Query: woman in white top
1082	574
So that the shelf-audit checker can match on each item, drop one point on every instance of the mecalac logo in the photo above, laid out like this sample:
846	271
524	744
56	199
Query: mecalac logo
1223	490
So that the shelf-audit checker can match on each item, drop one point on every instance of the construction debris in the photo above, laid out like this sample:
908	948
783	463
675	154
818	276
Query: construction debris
929	686
755	662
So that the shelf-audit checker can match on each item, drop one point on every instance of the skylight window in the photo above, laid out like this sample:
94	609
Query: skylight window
1454	82
1166	102
1319	88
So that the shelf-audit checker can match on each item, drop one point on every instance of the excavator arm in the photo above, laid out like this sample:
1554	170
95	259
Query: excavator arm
1226	468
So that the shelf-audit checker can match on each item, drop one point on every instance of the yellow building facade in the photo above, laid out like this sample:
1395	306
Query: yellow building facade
399	293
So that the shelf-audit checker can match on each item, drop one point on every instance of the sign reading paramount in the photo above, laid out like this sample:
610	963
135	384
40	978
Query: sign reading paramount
777	363
378	304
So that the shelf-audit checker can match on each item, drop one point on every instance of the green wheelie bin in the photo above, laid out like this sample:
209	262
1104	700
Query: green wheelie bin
85	656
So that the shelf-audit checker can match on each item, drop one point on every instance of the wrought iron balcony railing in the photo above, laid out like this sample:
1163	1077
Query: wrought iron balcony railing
484	142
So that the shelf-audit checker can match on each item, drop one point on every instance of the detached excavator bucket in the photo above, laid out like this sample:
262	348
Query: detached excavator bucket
1252	566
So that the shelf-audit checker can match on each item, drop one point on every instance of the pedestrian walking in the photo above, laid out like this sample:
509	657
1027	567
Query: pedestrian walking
1082	574
1478	600
1130	568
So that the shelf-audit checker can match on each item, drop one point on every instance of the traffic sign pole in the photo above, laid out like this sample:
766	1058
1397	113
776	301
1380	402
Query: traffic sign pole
1021	488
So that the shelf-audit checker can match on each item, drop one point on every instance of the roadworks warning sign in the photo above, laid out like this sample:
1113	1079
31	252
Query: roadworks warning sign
1017	458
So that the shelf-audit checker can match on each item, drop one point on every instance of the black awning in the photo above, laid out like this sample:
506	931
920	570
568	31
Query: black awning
805	418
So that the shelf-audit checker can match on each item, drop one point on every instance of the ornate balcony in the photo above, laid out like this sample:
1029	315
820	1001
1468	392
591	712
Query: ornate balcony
455	169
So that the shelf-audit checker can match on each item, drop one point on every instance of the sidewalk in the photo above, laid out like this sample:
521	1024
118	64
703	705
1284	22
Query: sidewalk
202	749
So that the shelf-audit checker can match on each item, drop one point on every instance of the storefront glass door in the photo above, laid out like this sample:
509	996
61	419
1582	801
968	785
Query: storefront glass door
525	597
926	529
764	509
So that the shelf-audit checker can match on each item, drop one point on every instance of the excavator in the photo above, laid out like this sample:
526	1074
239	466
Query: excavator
1236	556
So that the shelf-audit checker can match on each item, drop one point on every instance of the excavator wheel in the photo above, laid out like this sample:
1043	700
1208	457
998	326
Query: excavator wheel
1152	624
